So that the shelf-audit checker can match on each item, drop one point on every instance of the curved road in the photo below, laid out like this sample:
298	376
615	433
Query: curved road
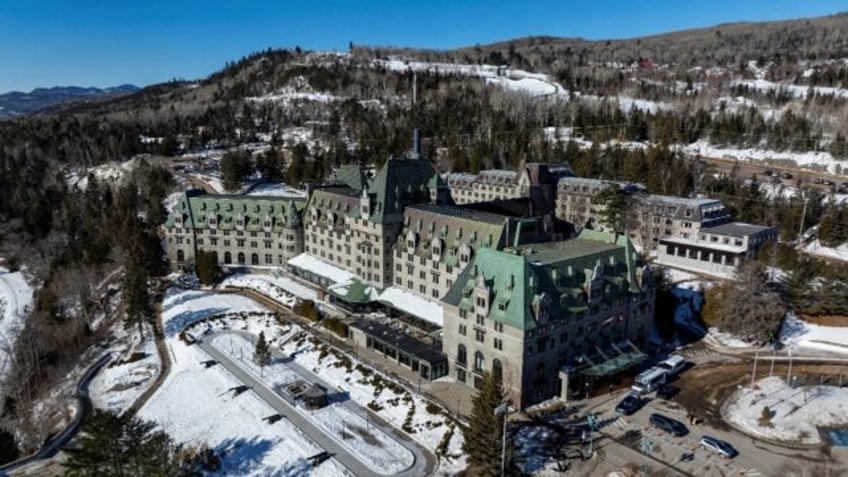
424	461
51	447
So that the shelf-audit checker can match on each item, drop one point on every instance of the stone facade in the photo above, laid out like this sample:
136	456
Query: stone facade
528	311
532	179
239	230
356	230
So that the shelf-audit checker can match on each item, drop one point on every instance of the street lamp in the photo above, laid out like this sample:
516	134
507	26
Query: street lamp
503	410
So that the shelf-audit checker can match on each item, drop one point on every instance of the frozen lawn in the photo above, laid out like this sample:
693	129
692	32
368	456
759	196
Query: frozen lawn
278	288
196	406
796	413
15	302
839	253
796	331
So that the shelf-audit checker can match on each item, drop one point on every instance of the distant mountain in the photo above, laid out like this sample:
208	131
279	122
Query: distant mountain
16	103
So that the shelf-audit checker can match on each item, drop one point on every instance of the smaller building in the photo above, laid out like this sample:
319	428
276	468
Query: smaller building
715	250
427	361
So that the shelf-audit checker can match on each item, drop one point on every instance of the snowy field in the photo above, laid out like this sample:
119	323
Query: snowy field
196	406
823	160
277	190
796	412
15	303
390	402
797	332
133	370
839	253
279	288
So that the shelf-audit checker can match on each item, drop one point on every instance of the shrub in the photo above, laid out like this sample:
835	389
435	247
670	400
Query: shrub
442	448
374	406
765	417
433	408
335	325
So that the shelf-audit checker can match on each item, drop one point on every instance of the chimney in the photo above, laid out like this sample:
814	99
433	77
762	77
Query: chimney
416	143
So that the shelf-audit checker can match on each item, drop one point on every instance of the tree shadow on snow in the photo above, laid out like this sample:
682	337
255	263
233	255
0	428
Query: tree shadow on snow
183	296
177	323
242	456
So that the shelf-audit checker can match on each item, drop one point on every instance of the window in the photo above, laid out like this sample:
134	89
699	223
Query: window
180	256
254	244
499	327
462	330
481	320
499	344
461	354
460	375
228	258
240	242
497	368
269	259
463	314
480	335
422	289
479	362
422	275
241	258
435	293
213	241
254	259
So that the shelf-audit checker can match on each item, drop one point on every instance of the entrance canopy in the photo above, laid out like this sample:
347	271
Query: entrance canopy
619	357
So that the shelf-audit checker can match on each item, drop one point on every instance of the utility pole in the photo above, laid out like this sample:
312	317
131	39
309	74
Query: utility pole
754	372
803	217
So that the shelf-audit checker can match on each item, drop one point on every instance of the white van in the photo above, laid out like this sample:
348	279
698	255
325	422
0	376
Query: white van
650	380
673	365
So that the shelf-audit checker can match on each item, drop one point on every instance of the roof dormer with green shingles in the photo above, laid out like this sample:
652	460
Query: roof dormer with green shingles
400	182
197	211
568	277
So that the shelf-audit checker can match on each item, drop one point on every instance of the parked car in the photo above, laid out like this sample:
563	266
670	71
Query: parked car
673	364
672	426
718	446
667	391
786	175
630	404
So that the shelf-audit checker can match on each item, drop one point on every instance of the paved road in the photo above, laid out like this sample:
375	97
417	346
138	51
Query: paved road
51	447
421	466
756	458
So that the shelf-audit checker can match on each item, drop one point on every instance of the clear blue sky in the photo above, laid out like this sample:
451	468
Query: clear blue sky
105	43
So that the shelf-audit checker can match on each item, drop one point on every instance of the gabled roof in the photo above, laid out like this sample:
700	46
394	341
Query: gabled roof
196	209
557	274
399	183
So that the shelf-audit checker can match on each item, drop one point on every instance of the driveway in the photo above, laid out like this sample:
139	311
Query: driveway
423	463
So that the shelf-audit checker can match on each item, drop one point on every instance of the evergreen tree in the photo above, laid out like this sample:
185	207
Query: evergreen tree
236	166
270	165
122	446
206	267
483	435
262	353
297	170
615	207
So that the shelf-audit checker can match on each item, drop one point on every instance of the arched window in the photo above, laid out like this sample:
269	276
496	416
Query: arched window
228	257
497	369
254	259
180	256
241	258
479	362
540	373
461	354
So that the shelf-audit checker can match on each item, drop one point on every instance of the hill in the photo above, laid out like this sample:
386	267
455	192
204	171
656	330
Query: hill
16	103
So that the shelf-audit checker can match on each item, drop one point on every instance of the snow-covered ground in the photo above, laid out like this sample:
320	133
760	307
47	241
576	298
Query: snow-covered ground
277	190
196	406
277	287
810	158
133	370
15	303
797	332
109	173
816	248
391	403
796	91
795	412
377	450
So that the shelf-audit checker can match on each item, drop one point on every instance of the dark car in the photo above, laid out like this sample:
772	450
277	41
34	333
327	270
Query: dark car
672	426
718	446
667	391
630	404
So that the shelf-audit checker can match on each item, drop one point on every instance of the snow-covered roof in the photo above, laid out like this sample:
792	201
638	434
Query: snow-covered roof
413	304
719	247
309	263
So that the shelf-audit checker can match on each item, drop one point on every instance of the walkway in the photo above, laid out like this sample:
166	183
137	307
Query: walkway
423	465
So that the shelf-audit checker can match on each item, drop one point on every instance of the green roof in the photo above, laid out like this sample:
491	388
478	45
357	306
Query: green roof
399	183
560	275
355	292
352	175
196	210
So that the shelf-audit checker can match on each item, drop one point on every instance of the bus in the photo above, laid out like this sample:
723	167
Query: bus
650	380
